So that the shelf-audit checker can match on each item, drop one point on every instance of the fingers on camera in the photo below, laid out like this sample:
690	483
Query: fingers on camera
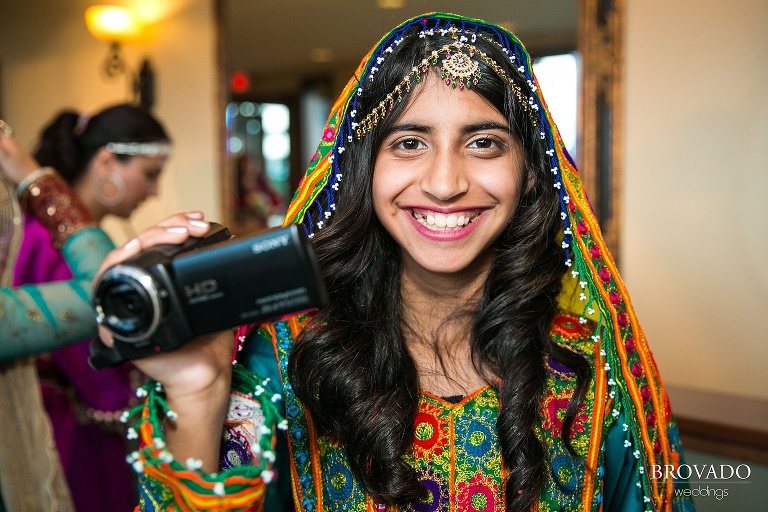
180	219
191	221
133	245
106	336
172	230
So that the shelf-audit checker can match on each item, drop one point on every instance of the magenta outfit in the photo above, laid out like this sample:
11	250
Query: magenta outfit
92	453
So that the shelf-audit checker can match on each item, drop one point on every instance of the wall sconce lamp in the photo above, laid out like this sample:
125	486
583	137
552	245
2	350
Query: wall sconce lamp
117	25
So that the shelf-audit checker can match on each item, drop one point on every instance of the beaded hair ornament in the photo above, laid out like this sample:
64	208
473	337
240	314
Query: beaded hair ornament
148	149
626	377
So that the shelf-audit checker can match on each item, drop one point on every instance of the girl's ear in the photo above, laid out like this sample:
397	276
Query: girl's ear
530	180
529	174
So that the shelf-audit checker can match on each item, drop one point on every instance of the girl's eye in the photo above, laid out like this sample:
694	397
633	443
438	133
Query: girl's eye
484	143
409	144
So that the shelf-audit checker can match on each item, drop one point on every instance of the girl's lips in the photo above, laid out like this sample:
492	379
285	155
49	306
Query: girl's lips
471	212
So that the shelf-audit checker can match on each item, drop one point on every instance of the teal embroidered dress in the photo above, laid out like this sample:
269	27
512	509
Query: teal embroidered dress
455	449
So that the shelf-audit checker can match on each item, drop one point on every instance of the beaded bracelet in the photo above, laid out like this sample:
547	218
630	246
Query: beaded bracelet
253	418
31	178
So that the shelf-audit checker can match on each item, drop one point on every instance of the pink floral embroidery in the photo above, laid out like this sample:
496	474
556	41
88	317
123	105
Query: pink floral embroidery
479	494
554	408
329	134
630	344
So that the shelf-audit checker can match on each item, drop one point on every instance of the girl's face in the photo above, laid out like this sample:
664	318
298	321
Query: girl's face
140	175
447	179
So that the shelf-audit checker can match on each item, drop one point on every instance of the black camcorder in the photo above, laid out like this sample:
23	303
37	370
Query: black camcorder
167	295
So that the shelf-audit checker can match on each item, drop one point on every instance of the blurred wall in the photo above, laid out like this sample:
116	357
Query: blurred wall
49	61
694	234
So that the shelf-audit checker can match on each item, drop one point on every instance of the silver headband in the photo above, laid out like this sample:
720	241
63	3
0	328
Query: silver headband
149	149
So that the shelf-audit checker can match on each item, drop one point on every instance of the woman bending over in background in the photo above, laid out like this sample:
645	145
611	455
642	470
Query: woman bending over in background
111	163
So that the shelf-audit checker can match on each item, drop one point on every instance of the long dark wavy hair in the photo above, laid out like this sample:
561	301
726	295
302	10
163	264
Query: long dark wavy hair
350	366
70	140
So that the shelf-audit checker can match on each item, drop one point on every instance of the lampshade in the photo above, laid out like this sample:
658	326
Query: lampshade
111	23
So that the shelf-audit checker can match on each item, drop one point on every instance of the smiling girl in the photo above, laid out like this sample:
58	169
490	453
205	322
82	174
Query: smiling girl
479	351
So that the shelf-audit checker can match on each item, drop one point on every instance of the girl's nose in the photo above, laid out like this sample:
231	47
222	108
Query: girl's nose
446	177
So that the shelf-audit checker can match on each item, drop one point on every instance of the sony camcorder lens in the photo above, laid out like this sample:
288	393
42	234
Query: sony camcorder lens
128	304
126	309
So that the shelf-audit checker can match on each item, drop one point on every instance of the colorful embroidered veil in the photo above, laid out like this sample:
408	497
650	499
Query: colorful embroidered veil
626	376
592	289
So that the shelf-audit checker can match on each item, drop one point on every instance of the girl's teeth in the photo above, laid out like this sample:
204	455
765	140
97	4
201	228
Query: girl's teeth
439	221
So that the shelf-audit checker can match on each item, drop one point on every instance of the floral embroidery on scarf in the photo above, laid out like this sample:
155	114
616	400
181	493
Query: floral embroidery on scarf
554	407
568	330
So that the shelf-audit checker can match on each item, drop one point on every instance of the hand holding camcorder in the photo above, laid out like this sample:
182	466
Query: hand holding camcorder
167	295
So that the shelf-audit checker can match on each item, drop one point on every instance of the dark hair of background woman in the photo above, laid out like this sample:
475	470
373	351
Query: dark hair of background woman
70	141
350	367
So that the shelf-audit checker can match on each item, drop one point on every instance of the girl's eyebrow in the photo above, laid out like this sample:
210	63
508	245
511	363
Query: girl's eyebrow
485	126
466	129
408	127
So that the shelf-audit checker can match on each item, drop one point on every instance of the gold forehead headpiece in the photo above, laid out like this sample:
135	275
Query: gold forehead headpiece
459	65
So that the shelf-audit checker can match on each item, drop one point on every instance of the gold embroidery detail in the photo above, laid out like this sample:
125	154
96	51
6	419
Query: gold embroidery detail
34	315
67	315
